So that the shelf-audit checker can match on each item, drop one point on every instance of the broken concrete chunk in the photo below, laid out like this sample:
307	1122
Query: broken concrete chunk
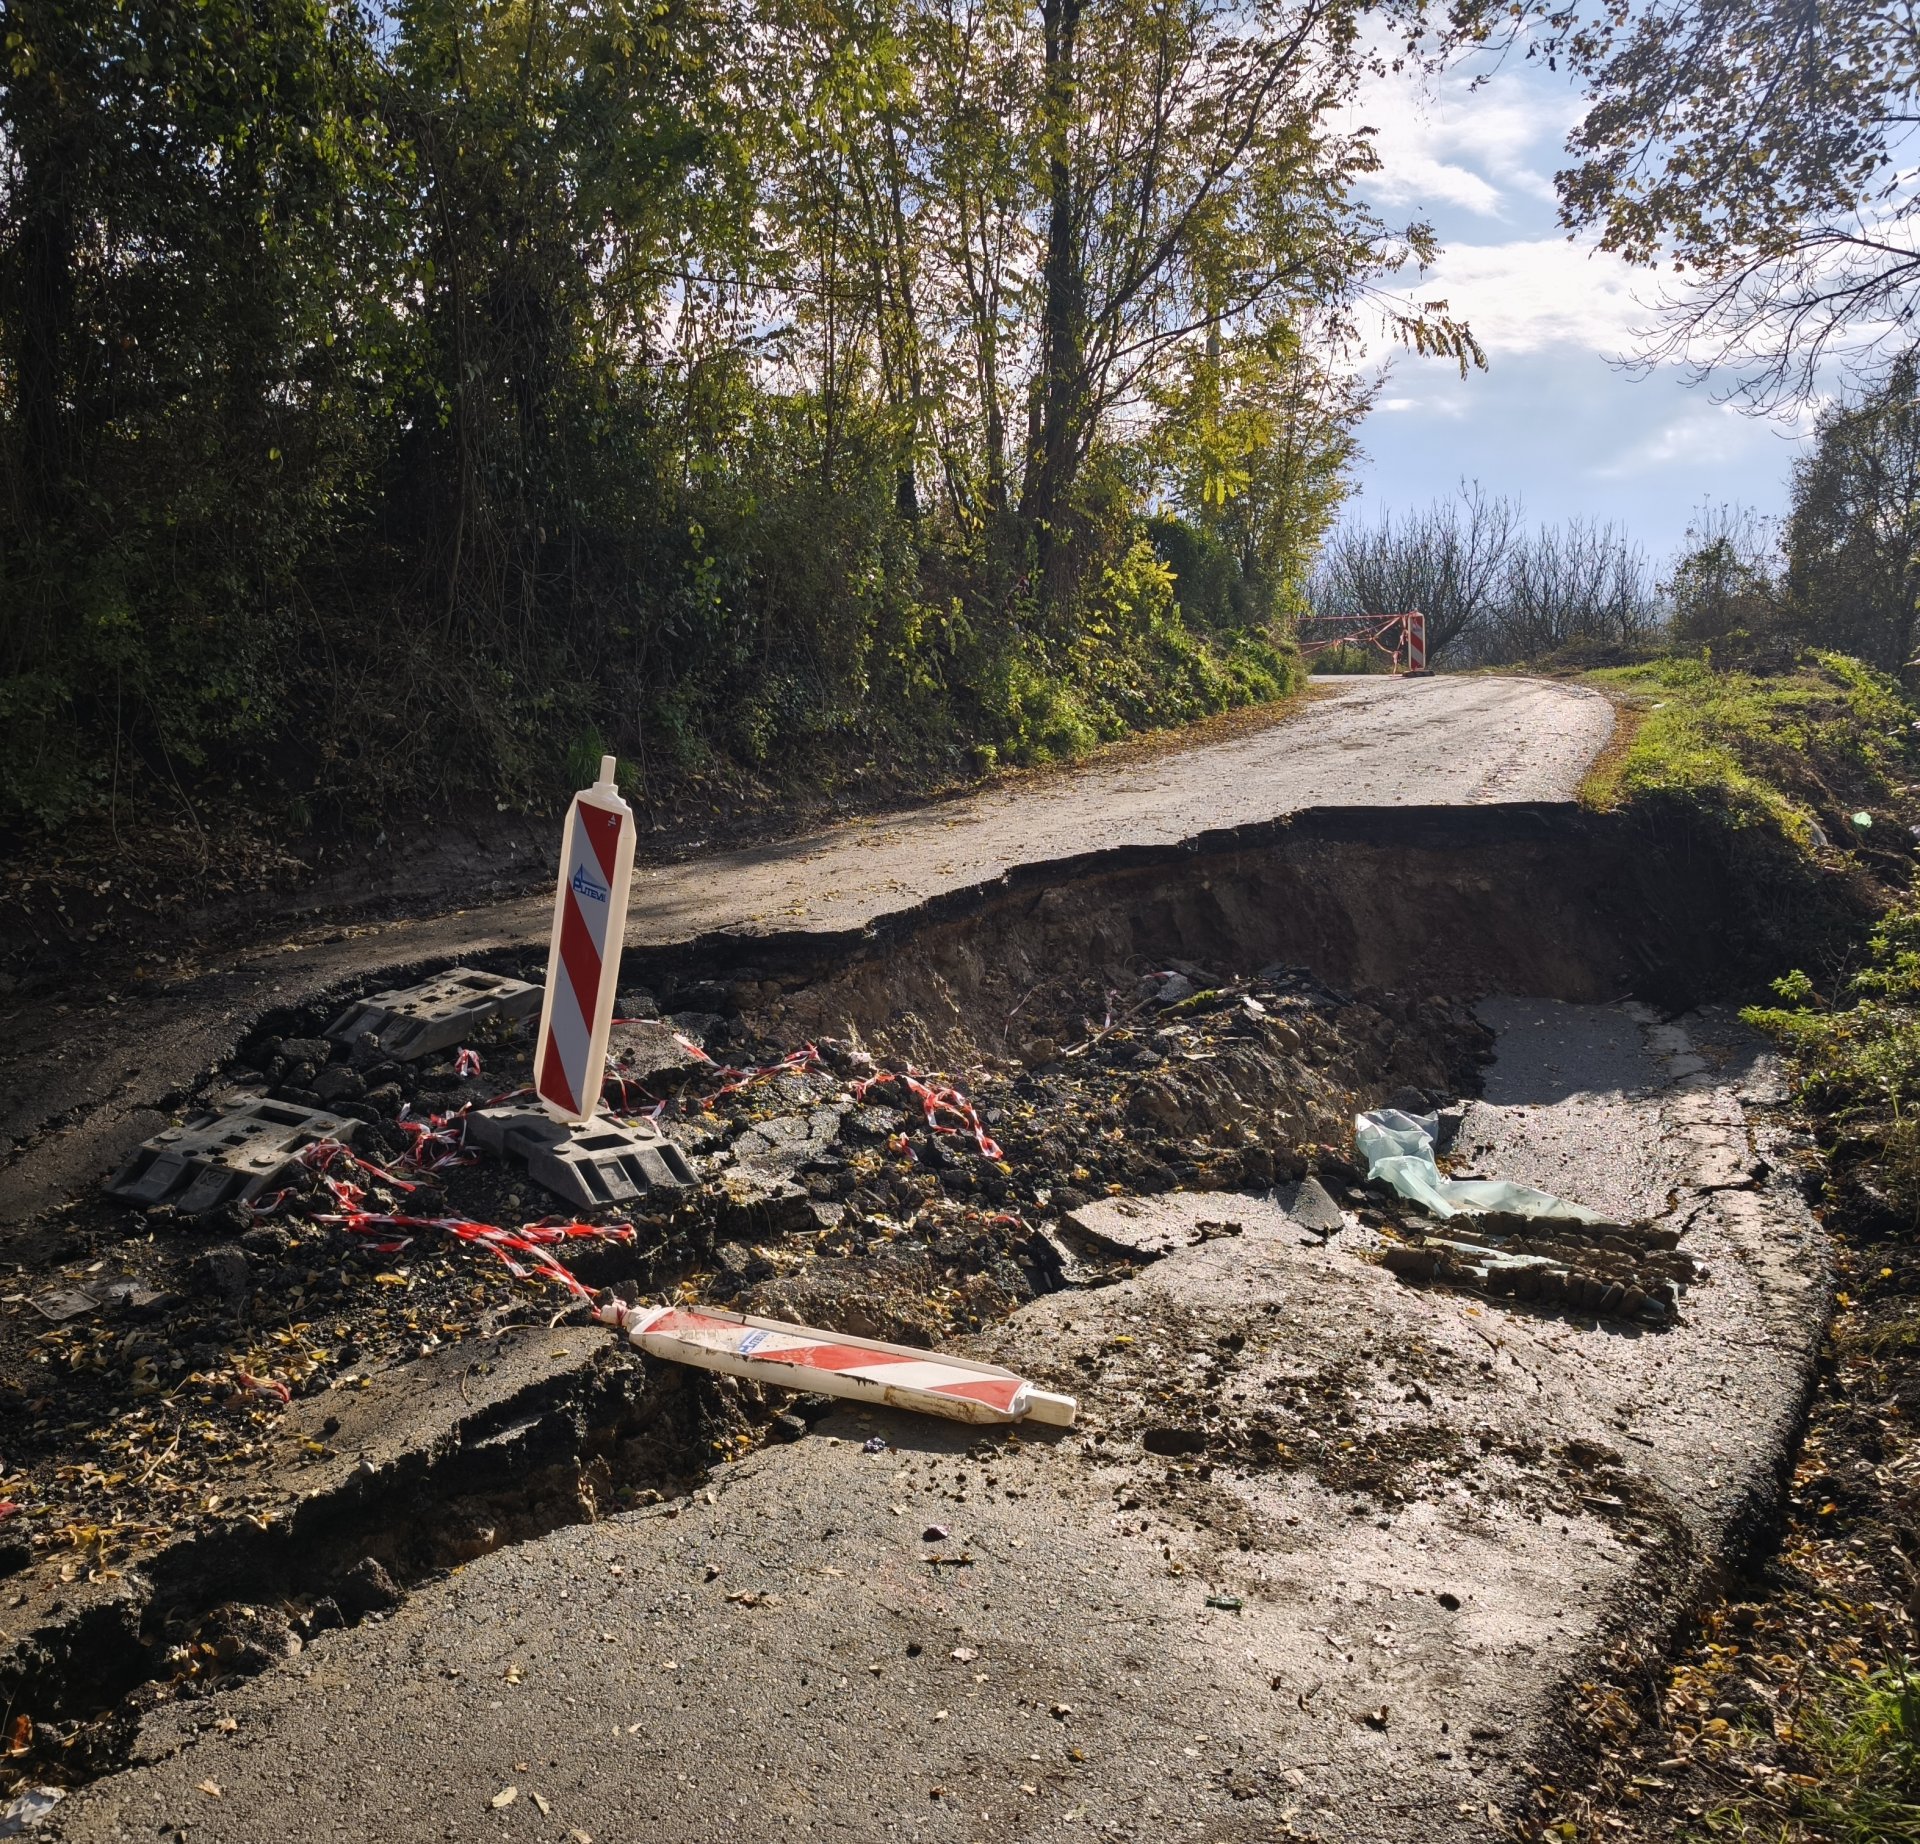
314	1050
758	1201
228	1271
702	1027
789	1141
1311	1206
603	1162
366	1588
437	1014
338	1083
1142	1228
226	1157
646	1047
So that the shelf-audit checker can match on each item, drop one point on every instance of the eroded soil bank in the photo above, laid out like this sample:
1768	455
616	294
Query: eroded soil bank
1125	1026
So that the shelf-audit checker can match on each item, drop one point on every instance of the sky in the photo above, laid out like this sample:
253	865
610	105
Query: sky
1551	422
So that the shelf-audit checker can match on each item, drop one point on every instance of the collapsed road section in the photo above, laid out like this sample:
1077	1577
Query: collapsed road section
1336	1531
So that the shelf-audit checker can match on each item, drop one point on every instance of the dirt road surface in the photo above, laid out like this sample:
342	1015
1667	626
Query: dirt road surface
81	1084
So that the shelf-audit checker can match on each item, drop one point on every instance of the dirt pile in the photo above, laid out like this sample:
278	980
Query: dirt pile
155	1351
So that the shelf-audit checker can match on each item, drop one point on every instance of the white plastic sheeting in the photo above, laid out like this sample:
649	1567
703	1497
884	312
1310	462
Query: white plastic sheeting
1398	1150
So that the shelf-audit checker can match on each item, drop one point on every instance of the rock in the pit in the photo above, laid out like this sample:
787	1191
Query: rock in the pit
753	1202
315	1050
247	1640
366	1588
647	1047
782	1145
337	1083
705	1028
228	1272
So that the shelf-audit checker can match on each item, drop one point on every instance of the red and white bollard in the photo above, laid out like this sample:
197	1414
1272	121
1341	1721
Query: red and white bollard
583	966
1416	640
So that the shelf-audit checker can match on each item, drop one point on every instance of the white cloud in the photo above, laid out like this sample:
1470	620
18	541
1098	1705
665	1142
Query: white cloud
1539	292
1489	151
1704	435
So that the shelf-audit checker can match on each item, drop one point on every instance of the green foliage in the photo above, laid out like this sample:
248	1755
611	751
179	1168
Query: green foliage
1861	1056
1754	149
397	401
1726	581
1788	751
1853	538
1132	663
1865	1732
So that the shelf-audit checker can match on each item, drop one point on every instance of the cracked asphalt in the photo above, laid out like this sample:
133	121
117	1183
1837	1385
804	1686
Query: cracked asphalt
958	1638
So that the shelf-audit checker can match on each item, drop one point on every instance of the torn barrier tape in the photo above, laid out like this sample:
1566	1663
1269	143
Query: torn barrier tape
733	1078
799	1357
438	1141
933	1103
531	1239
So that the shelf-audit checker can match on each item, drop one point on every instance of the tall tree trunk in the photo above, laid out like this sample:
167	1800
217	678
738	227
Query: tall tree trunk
1059	410
40	314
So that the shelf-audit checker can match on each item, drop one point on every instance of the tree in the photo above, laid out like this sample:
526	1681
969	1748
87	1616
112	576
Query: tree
1726	578
184	235
1581	582
1493	592
1256	438
1449	561
409	397
1754	146
1853	535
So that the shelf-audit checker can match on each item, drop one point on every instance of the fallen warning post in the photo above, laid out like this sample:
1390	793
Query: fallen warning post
860	1369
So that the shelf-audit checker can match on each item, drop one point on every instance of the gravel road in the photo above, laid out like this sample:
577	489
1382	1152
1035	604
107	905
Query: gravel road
79	1083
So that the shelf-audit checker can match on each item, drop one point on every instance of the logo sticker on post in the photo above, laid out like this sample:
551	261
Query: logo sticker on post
583	966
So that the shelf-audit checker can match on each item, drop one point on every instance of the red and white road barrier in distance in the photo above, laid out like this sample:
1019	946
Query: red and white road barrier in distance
583	966
833	1364
1401	638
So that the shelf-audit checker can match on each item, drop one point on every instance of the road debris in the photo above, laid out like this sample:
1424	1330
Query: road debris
417	1021
28	1809
830	1187
229	1156
1398	1150
601	1163
835	1364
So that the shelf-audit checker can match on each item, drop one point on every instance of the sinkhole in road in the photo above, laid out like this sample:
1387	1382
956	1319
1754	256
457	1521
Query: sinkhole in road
1137	1022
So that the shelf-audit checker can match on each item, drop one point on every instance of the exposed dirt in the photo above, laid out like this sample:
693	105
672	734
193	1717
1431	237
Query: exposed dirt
150	1443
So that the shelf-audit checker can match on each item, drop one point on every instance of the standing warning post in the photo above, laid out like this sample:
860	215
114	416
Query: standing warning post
583	965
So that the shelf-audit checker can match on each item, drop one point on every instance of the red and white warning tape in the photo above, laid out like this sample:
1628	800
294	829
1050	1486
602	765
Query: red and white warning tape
334	1162
733	1079
935	1102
